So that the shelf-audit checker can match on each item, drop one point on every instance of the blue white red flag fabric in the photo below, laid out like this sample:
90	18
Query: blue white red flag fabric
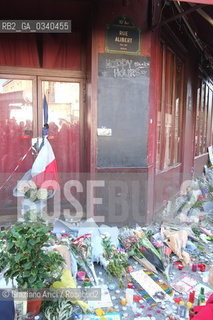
44	171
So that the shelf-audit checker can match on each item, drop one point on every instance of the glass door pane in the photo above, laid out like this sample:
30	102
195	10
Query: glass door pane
16	131
63	118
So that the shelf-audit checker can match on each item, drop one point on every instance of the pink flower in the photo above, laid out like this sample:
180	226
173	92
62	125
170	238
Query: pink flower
65	235
81	238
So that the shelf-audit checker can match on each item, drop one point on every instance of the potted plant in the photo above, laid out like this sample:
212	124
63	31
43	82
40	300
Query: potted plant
26	258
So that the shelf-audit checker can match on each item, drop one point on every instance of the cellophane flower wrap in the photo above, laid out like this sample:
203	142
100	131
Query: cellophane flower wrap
136	244
116	259
81	249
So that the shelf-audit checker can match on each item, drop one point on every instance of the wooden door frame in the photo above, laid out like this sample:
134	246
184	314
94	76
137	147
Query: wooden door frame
81	108
15	76
40	74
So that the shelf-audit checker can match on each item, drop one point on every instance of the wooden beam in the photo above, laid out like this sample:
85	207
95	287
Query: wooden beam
180	15
203	14
194	1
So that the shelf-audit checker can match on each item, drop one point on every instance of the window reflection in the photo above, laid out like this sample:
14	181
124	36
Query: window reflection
64	133
170	110
15	122
15	132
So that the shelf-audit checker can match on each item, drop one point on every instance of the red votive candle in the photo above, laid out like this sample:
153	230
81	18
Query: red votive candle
192	296
202	268
194	267
180	267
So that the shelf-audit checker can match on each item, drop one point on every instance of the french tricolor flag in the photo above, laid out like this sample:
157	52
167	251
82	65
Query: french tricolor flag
44	170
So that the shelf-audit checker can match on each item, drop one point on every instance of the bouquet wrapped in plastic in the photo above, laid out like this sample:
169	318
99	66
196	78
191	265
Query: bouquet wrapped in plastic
81	249
116	259
34	198
135	242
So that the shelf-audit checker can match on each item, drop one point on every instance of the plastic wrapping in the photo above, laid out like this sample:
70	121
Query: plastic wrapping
177	240
112	232
67	281
209	175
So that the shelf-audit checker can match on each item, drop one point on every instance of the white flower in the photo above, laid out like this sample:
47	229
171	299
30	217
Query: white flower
32	184
105	235
42	194
23	187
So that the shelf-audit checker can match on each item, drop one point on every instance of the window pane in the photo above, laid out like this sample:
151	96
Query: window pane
197	134
16	131
170	110
178	109
168	113
160	112
64	132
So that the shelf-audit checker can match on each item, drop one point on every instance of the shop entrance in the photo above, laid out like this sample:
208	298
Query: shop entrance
21	119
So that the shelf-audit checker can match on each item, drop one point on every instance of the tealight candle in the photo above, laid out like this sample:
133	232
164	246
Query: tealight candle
111	286
87	282
130	269
123	301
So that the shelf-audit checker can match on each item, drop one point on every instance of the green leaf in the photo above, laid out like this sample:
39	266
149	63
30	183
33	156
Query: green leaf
10	246
28	265
26	274
18	257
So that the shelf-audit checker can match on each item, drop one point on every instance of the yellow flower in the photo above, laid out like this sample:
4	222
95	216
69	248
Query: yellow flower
100	313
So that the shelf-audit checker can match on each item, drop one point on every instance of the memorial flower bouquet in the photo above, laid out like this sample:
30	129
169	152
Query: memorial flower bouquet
30	191
116	259
135	243
81	249
59	310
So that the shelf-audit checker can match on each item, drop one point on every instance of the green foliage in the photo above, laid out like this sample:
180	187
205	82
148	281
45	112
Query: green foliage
117	260
117	267
136	251
58	310
107	244
149	234
196	231
23	252
198	204
32	215
200	247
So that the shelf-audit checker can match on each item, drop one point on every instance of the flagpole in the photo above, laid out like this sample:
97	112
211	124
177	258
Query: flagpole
16	168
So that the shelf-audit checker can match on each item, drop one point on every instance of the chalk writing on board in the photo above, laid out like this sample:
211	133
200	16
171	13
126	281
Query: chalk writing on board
123	100
127	68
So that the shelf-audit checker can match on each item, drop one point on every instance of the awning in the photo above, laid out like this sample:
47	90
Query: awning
197	16
197	1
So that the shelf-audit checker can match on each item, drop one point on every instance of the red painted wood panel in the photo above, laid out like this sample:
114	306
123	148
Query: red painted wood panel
199	163
104	13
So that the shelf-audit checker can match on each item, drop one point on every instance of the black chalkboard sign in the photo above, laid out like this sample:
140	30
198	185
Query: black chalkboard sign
123	88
